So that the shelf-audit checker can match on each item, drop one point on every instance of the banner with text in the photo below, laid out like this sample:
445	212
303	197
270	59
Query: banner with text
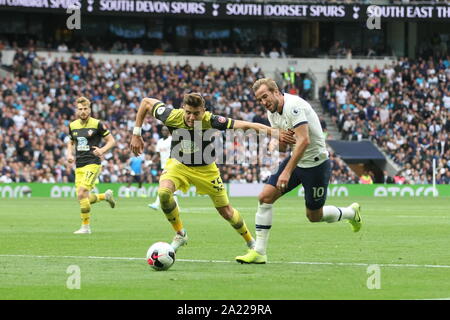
381	190
67	190
48	190
235	10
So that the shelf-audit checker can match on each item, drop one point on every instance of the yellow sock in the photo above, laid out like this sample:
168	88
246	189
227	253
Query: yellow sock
85	207
238	223
174	218
170	208
93	198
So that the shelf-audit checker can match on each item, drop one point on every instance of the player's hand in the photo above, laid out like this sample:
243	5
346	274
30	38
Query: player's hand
137	145
283	180
70	159
97	151
287	136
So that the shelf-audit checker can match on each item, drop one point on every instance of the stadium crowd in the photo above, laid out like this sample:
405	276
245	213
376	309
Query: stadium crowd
37	104
403	107
117	45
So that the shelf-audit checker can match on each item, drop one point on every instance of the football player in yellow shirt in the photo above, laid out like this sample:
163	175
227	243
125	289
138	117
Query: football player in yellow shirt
188	165
86	133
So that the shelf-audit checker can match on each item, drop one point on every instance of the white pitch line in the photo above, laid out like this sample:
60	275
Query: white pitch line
351	264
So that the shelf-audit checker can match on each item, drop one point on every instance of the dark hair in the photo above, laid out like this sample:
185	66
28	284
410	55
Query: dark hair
194	100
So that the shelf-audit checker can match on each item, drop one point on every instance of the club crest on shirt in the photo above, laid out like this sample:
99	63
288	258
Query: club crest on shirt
295	111
221	119
189	147
90	132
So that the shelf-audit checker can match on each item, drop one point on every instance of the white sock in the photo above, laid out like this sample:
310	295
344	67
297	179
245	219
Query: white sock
334	214
263	222
156	203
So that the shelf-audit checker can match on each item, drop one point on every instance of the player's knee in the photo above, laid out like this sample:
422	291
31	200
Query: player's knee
265	198
82	193
313	215
85	205
165	197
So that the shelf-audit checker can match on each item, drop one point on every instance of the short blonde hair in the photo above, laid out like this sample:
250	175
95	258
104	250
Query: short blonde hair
270	83
83	101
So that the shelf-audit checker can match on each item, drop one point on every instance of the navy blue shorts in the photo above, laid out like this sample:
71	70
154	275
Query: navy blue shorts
314	180
136	178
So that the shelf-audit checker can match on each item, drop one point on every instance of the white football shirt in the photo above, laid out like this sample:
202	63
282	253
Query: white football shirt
163	147
296	112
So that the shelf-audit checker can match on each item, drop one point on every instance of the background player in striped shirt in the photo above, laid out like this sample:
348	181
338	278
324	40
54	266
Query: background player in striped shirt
86	134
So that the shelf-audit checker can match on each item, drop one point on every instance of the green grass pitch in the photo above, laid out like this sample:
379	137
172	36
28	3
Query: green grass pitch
407	238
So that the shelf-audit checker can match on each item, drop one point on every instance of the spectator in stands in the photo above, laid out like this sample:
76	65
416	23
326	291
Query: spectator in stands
335	49
274	54
307	88
347	127
366	178
62	48
137	49
386	178
371	52
2	47
341	96
262	52
399	179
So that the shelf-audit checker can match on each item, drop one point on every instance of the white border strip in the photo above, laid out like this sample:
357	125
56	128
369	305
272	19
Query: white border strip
392	265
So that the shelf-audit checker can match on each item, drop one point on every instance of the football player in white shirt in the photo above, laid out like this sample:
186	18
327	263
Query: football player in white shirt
163	148
308	165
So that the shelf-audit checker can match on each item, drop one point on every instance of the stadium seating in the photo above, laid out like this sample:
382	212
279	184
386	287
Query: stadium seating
403	107
38	102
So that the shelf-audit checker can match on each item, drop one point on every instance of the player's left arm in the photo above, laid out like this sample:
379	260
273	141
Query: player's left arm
301	134
110	141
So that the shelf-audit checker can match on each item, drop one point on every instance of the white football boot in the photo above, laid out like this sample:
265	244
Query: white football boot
179	241
109	198
85	229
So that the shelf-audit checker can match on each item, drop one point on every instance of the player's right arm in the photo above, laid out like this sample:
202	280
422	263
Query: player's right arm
70	144
69	153
146	106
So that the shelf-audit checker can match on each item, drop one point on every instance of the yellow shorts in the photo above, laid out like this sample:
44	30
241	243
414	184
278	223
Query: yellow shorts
206	179
87	176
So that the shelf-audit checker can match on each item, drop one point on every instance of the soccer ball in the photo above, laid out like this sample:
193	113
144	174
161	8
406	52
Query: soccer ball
160	256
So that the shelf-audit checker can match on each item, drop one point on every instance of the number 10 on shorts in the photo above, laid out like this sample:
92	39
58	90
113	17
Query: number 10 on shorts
318	192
